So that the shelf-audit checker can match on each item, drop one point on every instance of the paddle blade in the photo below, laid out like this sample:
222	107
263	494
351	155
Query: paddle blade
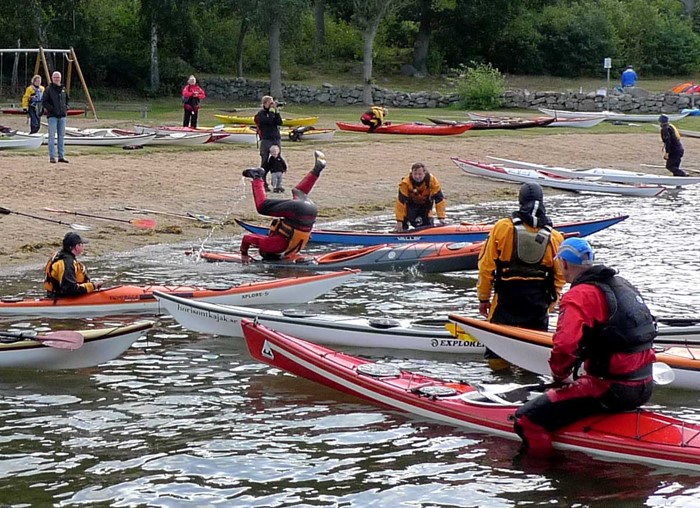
62	339
80	227
459	333
144	223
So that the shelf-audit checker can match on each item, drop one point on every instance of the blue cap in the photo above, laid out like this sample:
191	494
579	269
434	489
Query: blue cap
663	119
576	251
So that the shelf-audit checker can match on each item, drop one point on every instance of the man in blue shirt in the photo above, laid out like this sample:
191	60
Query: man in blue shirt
629	77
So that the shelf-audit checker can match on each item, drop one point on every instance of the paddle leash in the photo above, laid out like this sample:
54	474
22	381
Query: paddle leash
139	223
76	227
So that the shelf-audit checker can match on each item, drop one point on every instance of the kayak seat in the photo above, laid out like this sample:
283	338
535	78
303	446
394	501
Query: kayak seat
383	323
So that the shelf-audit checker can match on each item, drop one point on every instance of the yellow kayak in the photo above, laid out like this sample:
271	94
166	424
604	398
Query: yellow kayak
248	120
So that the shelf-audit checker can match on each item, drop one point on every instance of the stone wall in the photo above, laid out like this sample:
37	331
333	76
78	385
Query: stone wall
635	100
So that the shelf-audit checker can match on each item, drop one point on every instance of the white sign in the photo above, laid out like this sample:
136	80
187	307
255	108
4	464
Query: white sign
607	63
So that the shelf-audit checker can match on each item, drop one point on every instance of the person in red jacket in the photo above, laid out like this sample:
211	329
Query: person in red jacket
605	327
192	96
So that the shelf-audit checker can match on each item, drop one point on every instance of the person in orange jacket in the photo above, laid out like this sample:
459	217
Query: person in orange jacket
64	275
418	192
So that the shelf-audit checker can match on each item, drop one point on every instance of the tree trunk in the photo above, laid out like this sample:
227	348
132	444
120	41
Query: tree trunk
320	16
689	6
422	45
367	45
239	46
275	63
155	71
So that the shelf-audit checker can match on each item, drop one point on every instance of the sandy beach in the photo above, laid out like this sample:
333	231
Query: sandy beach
361	179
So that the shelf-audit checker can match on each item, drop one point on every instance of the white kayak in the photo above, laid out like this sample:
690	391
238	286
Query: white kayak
20	142
605	174
418	335
531	349
577	185
577	122
611	116
99	346
98	139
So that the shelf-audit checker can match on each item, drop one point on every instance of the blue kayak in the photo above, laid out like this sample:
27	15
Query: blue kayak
464	232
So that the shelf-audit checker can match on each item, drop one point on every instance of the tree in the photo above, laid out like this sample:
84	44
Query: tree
421	48
320	19
368	15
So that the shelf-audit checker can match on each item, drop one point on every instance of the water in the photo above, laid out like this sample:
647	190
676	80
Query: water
185	419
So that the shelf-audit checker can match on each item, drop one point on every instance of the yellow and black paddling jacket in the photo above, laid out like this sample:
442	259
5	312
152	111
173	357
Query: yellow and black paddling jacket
33	96
66	276
374	116
671	139
416	199
517	264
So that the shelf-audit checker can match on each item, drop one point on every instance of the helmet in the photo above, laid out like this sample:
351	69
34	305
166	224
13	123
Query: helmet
530	192
576	251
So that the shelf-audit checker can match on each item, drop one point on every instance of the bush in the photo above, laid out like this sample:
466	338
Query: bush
480	86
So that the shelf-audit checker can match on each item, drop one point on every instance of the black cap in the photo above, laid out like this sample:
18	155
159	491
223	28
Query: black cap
663	119
530	192
71	240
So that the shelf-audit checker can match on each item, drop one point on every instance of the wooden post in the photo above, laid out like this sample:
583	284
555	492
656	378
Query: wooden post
46	66
74	58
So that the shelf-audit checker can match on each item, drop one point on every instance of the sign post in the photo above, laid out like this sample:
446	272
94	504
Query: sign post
607	65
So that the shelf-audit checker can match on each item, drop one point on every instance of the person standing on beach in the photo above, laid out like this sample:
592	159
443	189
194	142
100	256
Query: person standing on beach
192	96
31	103
673	148
55	104
268	121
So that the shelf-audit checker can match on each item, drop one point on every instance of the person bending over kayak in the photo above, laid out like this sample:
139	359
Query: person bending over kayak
418	191
64	275
294	218
374	117
605	325
516	264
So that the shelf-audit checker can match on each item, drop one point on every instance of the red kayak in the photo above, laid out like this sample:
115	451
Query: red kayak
637	436
408	128
18	111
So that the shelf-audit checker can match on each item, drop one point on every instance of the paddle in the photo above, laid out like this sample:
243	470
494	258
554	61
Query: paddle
59	340
77	227
139	223
188	216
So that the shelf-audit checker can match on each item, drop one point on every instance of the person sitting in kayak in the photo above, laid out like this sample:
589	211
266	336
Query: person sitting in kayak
418	192
603	325
294	218
516	264
374	117
64	275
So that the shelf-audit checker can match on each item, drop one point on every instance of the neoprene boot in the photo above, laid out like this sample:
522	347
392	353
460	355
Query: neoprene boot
320	163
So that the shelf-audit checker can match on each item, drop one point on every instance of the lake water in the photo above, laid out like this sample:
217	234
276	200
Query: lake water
185	419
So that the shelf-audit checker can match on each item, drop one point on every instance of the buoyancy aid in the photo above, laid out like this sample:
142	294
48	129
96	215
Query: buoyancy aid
529	249
55	269
296	237
630	327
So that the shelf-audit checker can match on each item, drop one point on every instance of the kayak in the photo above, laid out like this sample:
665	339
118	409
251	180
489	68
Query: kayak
640	436
20	142
425	257
463	232
19	111
556	182
287	122
578	122
611	116
498	123
407	128
530	350
606	174
308	133
99	346
365	332
122	299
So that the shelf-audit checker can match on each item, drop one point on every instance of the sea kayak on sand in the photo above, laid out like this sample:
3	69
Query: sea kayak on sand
425	257
407	128
122	299
356	331
639	436
530	350
99	346
464	232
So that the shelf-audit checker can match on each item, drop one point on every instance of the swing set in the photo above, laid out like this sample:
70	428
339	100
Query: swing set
68	56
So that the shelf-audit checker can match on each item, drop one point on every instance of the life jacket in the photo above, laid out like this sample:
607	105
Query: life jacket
420	192
52	281
52	285
297	238
630	327
525	263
